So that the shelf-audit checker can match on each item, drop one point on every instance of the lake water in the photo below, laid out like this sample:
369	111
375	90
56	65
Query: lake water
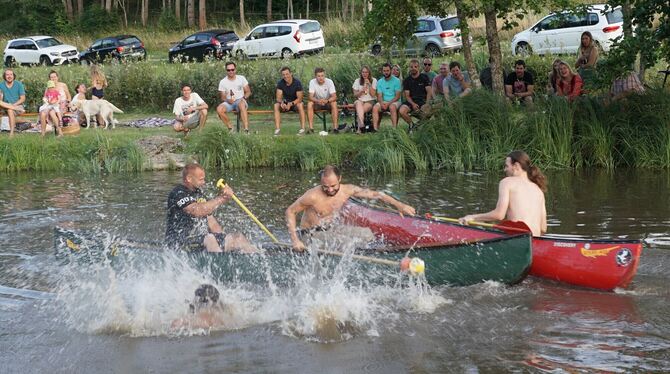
105	317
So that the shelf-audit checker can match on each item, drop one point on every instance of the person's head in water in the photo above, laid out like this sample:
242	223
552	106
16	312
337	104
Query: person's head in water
519	162
193	176
330	180
206	296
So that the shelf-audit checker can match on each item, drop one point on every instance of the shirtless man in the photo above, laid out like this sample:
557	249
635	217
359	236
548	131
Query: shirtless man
520	195
321	204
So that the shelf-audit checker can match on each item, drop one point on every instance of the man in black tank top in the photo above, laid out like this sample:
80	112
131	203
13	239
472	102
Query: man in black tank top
190	223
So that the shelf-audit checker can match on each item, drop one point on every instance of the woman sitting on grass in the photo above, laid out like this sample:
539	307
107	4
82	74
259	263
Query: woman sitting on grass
570	84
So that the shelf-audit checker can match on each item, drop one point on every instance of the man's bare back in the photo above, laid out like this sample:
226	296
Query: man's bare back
320	204
519	197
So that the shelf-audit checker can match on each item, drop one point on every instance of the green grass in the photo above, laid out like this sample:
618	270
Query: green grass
474	133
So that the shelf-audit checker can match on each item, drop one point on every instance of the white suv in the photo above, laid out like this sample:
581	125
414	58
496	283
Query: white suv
44	50
560	33
282	39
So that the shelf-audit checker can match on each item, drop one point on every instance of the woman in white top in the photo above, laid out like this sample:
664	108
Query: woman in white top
78	96
365	91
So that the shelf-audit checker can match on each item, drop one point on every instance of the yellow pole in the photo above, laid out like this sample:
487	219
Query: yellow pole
222	184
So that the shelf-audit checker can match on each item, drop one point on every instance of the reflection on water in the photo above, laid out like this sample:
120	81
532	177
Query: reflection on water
329	316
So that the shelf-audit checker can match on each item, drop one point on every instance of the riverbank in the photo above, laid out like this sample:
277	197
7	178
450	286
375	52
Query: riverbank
473	134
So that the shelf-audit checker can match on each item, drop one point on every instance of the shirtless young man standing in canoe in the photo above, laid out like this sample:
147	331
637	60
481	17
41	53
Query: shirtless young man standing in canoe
520	195
321	203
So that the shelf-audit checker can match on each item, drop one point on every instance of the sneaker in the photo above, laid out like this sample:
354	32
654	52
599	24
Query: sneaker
336	131
276	132
231	130
301	132
246	131
310	131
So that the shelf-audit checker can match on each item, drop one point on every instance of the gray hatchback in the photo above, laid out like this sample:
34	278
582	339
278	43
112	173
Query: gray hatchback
432	36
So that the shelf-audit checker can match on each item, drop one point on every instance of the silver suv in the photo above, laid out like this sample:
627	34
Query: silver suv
433	36
44	50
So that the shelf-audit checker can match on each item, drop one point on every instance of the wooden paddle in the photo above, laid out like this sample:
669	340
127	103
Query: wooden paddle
414	265
509	227
222	184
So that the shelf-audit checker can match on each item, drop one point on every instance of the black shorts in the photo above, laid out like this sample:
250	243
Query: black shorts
308	232
321	107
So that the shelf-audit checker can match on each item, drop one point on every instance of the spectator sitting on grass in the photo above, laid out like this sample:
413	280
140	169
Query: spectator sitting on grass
428	68
13	96
397	71
365	92
627	84
457	84
519	84
587	57
289	96
570	84
98	83
554	77
389	90
190	111
437	85
51	106
418	93
234	90
322	96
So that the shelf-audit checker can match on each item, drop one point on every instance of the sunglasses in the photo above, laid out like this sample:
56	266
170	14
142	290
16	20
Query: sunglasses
230	69
424	64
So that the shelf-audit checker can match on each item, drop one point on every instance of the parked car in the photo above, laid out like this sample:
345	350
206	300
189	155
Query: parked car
432	36
120	47
283	39
44	50
203	45
560	32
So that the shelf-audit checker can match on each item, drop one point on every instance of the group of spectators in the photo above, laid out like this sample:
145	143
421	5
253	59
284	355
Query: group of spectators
417	95
59	107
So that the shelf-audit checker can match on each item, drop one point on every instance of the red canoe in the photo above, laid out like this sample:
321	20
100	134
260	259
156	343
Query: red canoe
598	264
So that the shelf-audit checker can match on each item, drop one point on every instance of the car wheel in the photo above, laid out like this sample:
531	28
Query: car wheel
433	51
10	62
240	55
523	49
286	53
44	60
376	50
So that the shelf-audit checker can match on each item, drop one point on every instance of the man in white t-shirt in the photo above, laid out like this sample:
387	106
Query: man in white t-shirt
322	96
234	91
190	111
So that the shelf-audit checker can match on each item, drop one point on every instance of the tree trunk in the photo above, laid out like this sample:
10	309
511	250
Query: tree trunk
243	22
80	7
202	14
145	12
268	11
108	6
190	12
352	8
307	5
177	9
121	4
345	9
67	4
327	8
467	47
493	42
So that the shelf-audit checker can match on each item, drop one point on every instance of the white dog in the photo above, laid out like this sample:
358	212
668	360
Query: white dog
92	108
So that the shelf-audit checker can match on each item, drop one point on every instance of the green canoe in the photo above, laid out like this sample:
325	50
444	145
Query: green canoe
506	260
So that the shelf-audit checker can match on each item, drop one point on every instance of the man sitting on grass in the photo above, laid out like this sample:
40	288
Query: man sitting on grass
190	111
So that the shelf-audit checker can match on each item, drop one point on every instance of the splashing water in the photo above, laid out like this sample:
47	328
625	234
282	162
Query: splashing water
316	298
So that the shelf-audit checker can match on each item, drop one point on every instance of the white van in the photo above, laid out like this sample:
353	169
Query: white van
560	33
281	39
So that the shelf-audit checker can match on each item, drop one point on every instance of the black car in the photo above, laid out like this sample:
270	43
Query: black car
202	45
117	48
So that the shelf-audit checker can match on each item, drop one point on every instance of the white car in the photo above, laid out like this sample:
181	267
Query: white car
44	50
282	39
560	33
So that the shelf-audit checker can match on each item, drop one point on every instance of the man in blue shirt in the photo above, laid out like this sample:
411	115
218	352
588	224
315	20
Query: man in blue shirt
13	97
388	97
